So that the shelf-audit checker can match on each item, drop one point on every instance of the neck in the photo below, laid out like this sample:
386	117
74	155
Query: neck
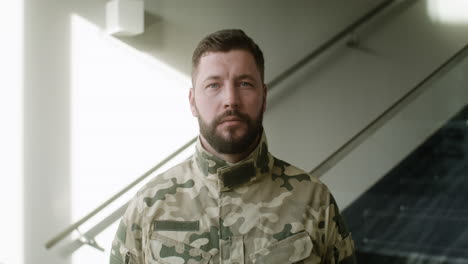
231	158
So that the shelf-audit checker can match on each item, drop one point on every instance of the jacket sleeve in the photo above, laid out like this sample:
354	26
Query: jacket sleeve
127	243
340	245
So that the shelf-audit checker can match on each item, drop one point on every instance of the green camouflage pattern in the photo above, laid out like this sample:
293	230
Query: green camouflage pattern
259	210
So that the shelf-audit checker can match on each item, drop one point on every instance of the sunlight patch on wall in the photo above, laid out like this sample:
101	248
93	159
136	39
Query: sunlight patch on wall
448	11
11	133
128	112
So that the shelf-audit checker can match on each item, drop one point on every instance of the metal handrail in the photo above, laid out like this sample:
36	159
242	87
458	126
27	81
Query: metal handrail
273	83
74	226
378	122
336	38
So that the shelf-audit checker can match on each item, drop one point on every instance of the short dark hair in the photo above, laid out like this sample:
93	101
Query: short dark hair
226	40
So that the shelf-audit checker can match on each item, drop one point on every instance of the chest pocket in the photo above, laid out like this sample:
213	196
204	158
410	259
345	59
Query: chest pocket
165	250
290	250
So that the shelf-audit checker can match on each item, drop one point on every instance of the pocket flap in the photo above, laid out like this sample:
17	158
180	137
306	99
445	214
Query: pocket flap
167	250
290	250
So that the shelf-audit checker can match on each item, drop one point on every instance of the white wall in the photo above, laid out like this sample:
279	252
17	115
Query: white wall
11	132
128	112
96	117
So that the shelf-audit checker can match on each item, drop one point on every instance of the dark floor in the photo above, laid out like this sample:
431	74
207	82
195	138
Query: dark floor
418	212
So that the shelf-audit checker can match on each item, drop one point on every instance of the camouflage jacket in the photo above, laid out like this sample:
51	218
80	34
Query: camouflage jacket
259	210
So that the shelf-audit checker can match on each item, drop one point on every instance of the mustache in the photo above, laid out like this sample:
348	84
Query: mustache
232	113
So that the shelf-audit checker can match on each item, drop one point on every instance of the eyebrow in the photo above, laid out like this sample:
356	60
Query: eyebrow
211	78
245	76
239	77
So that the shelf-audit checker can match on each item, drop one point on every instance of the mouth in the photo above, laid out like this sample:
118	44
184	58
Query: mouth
231	120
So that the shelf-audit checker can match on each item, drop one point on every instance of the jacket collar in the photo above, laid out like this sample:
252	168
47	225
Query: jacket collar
231	175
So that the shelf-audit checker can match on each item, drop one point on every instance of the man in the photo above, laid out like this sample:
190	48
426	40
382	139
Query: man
232	202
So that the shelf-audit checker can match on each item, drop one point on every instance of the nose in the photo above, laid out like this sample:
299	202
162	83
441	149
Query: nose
231	96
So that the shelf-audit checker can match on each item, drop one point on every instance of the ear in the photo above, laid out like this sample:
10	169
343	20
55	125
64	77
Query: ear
265	91
193	106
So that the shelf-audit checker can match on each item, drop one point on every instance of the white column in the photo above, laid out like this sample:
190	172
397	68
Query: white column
46	142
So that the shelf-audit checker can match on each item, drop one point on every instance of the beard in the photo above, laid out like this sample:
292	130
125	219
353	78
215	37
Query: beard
230	144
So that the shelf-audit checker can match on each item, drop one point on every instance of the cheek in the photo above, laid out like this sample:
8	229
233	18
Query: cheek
206	109
255	104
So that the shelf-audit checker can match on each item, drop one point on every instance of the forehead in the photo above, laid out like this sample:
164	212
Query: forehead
226	65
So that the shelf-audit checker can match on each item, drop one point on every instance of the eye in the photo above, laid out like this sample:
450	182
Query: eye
246	84
213	85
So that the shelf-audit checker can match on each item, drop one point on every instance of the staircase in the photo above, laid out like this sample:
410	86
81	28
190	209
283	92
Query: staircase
418	212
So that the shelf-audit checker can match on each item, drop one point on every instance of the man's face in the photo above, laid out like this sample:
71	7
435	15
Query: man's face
228	98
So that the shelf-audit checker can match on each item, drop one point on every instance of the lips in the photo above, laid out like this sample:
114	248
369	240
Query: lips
231	121
230	118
